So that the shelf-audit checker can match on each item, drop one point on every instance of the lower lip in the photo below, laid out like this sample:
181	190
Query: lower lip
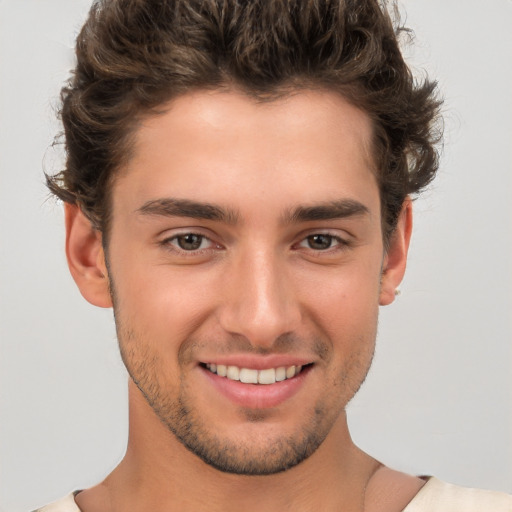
257	396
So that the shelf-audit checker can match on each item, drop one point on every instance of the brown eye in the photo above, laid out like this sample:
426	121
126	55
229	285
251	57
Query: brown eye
320	242
189	241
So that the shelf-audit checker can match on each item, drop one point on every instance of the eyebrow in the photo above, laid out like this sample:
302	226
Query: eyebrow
172	207
339	209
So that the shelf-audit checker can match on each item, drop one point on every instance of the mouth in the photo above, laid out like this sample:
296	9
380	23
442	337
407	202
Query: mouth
252	376
254	384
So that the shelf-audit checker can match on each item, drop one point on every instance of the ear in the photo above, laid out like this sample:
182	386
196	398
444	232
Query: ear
395	259
86	259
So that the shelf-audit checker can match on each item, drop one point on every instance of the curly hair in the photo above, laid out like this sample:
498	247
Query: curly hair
133	56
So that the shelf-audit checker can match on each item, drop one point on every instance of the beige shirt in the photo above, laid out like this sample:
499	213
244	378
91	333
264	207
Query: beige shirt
437	496
434	496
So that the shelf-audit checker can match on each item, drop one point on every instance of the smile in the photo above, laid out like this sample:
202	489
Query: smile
251	376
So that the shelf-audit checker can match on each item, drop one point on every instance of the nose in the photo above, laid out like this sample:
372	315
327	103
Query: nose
259	299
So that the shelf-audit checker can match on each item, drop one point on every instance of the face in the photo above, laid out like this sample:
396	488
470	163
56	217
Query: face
246	266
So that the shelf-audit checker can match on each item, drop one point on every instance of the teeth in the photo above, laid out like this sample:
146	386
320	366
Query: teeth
290	372
267	376
248	376
233	373
280	374
251	376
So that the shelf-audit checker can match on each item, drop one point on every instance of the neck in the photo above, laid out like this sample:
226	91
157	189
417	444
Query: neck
158	473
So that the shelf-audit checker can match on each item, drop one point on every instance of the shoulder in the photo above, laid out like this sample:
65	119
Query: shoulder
390	490
66	504
438	496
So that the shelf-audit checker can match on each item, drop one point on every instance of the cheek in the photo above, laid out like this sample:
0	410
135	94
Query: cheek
158	302
343	296
352	329
345	308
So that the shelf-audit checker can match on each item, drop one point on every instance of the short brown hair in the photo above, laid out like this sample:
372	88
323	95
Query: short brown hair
133	56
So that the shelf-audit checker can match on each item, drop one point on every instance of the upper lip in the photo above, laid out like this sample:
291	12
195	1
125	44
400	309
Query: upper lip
258	362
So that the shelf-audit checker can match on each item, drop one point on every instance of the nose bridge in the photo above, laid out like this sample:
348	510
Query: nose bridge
260	304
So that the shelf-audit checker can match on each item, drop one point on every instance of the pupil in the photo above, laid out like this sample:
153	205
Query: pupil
190	242
321	242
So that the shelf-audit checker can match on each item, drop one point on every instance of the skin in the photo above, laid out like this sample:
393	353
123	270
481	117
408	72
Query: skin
290	266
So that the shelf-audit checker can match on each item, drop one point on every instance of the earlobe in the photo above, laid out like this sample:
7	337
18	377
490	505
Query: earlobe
395	259
86	259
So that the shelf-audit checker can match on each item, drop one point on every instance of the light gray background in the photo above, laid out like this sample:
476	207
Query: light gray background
438	400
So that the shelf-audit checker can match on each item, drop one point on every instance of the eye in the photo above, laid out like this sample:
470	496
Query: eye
189	242
320	242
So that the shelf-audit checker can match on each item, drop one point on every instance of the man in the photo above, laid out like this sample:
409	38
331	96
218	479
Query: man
237	189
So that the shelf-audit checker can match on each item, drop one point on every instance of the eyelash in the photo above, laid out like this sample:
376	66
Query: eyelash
340	243
172	243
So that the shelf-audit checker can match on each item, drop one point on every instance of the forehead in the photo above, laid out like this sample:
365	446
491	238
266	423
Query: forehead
227	148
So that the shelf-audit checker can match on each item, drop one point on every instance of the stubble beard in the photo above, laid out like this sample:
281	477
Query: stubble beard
224	453
265	457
